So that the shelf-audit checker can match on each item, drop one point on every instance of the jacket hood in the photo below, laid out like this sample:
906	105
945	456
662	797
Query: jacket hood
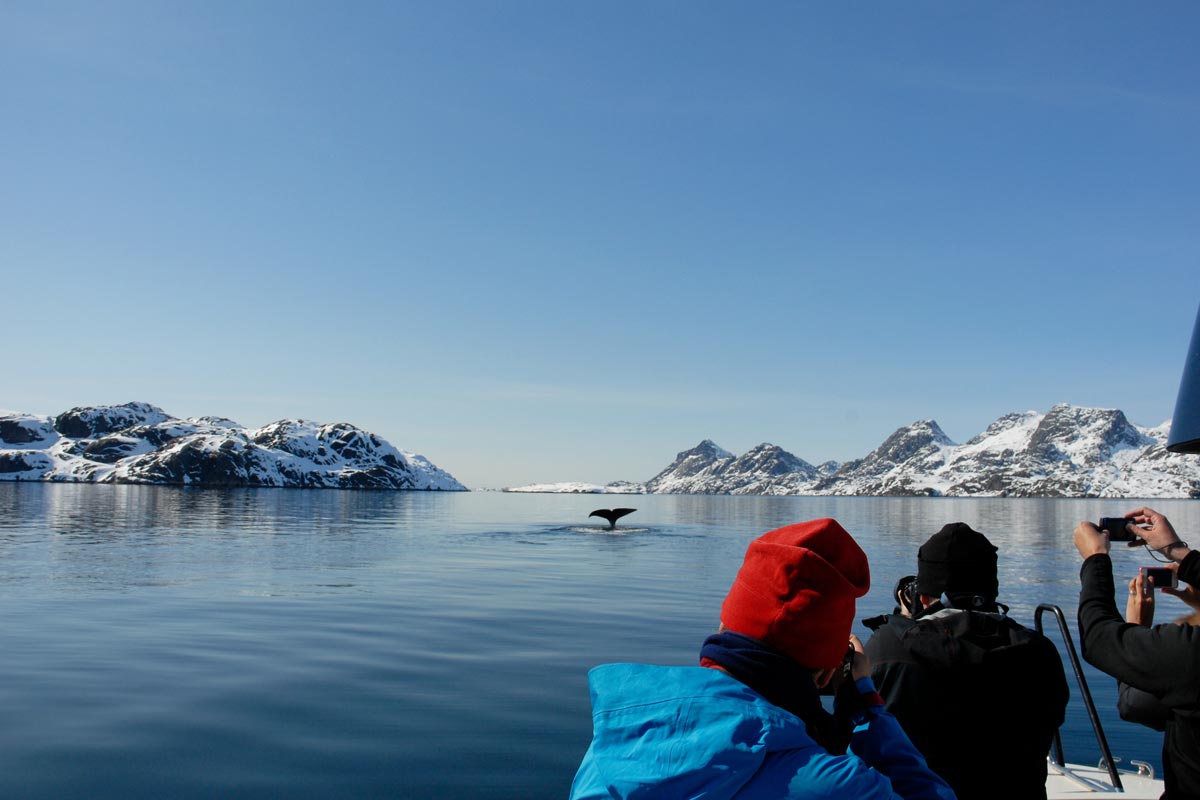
681	732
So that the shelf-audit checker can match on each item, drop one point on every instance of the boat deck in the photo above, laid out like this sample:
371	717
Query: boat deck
1075	780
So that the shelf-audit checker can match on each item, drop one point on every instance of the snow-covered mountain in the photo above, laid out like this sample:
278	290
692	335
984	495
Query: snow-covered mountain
693	471
1067	452
141	443
574	487
708	469
895	467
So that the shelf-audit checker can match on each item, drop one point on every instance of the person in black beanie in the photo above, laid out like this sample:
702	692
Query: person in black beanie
967	682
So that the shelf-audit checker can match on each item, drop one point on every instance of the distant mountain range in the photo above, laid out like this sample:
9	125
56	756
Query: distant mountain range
1067	452
141	443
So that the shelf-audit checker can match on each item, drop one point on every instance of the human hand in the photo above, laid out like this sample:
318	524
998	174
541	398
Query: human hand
1139	608
860	665
1185	592
904	594
1158	534
1090	540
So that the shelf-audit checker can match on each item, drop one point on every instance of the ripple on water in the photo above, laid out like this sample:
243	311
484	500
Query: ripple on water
162	642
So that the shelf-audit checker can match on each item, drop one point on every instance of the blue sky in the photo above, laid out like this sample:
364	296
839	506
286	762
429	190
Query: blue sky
566	240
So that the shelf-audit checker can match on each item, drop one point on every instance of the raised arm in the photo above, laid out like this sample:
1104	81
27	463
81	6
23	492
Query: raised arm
1162	660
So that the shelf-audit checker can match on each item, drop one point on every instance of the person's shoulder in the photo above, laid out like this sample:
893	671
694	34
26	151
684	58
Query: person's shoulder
802	774
1006	631
886	632
621	684
889	625
631	688
890	648
952	637
1021	633
1023	650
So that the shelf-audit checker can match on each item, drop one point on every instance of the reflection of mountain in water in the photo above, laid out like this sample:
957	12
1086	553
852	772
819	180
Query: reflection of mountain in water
292	618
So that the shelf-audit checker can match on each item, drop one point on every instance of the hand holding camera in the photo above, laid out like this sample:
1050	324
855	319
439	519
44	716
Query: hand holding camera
1187	594
860	664
1163	578
1157	534
1119	529
855	665
1090	540
1139	608
1144	526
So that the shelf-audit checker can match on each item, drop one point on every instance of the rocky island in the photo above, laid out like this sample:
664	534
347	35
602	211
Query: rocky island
141	443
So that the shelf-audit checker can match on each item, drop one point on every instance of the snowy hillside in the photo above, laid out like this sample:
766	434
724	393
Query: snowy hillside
617	487
1067	452
708	469
140	443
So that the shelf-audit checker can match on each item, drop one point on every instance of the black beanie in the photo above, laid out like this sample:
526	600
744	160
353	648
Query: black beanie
957	560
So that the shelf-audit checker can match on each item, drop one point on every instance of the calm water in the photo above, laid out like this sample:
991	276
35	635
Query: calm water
270	643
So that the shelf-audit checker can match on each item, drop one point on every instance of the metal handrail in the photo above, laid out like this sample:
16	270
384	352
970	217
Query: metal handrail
1084	691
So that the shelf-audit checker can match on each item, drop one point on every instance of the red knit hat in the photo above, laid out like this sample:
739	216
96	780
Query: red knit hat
796	591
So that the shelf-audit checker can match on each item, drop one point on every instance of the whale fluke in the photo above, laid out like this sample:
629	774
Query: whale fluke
612	515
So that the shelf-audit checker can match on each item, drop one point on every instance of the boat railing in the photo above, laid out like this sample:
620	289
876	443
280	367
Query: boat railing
1057	749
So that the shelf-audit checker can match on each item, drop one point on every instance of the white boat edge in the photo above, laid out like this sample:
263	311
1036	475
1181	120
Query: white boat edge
1075	780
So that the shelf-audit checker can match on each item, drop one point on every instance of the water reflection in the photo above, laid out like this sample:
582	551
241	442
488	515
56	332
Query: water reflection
83	537
317	640
100	510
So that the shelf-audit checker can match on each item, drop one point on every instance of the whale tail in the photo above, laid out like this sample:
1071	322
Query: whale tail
612	515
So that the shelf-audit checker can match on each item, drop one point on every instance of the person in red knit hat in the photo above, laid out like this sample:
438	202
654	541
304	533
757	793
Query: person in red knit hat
748	722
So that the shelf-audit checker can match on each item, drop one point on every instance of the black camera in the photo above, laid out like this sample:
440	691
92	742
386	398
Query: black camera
1118	528
842	675
1163	578
906	593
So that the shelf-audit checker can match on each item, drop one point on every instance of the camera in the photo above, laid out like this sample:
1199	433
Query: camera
906	593
1163	578
842	675
1116	527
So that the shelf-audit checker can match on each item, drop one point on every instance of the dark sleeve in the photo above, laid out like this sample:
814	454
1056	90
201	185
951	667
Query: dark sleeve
1189	569
876	651
1162	660
910	692
1055	683
880	742
1141	707
889	662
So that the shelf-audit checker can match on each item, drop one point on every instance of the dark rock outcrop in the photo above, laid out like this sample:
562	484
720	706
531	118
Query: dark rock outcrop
139	443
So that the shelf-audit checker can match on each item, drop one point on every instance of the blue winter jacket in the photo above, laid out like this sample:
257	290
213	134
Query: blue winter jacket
694	732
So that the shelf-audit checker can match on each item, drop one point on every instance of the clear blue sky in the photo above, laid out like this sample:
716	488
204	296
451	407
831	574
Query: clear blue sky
565	240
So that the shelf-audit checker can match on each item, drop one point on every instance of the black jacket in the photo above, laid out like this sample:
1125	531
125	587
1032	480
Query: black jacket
1134	705
1163	660
979	695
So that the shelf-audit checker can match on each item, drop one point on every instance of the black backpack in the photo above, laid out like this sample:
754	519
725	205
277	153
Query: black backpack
970	686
